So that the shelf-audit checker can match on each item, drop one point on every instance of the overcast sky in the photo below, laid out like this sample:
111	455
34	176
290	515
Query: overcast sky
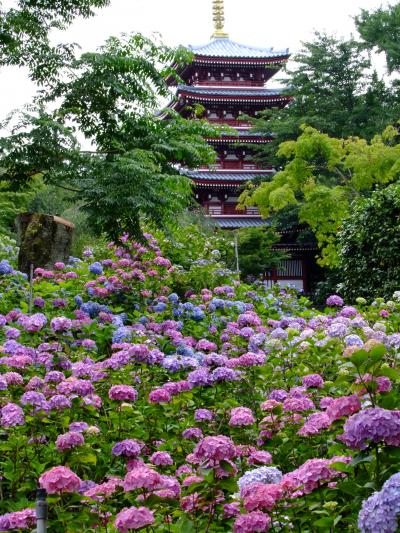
279	23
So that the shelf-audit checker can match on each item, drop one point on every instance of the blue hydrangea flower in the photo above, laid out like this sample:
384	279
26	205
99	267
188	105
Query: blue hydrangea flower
353	340
173	298
122	334
96	268
197	314
78	300
5	267
379	512
160	307
264	474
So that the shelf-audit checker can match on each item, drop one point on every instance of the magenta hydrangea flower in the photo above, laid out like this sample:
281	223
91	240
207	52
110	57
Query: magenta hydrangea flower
59	479
133	518
374	424
253	522
122	392
69	440
12	415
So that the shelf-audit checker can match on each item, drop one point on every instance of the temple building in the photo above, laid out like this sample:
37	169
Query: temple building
229	80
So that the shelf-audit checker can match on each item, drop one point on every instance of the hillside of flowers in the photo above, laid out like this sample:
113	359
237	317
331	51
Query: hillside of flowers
234	408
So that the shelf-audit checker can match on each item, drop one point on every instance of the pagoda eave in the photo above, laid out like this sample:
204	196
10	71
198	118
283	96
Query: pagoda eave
229	139
233	61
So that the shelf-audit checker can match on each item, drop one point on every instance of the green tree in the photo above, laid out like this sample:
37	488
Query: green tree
332	90
381	29
322	176
25	28
110	97
256	255
369	242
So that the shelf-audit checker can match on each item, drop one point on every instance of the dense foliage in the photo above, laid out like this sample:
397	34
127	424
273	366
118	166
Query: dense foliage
256	255
238	408
322	176
370	246
110	98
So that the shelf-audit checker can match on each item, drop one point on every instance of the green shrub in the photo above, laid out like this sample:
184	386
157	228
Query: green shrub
370	246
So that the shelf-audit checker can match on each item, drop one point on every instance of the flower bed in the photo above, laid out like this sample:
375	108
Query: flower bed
235	409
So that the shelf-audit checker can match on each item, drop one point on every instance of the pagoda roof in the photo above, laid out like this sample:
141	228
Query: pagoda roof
223	47
231	176
238	222
240	92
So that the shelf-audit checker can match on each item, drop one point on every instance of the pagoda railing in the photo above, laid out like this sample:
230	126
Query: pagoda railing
229	209
230	122
229	83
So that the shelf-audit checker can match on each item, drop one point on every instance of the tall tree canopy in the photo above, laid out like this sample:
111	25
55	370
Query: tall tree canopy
333	91
110	97
323	175
25	28
381	29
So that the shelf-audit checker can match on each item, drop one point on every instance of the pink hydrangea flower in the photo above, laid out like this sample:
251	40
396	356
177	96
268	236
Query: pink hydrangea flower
259	457
69	440
122	392
142	477
18	520
311	474
257	496
313	380
253	522
133	518
159	396
59	479
241	416
218	448
314	423
161	459
343	406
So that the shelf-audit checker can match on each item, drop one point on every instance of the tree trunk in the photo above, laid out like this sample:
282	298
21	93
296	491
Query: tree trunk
44	239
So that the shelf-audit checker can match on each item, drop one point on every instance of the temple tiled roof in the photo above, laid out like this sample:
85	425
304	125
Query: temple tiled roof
225	176
238	222
227	48
221	91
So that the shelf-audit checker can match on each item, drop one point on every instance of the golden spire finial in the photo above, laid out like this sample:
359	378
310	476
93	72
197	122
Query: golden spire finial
219	19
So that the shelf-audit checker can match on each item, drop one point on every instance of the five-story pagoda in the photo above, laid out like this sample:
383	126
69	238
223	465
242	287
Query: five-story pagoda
229	80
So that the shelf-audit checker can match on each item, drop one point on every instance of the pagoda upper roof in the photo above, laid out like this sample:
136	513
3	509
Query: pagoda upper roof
235	92
224	47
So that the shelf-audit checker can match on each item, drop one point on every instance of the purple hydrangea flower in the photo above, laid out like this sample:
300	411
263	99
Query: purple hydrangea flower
374	424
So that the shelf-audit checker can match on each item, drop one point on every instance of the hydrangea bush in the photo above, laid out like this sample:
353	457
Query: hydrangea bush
231	408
